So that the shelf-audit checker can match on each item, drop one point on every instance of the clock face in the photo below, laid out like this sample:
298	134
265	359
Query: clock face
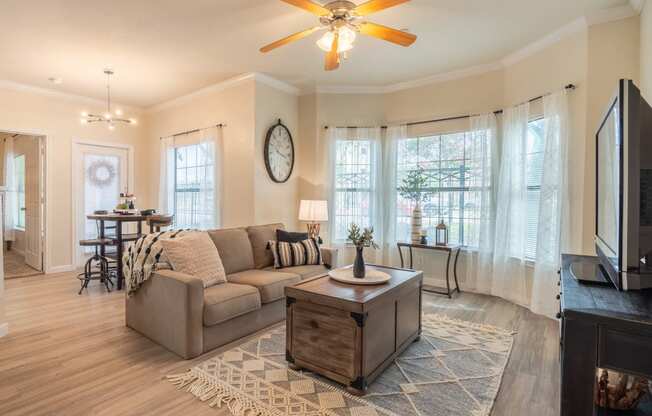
279	153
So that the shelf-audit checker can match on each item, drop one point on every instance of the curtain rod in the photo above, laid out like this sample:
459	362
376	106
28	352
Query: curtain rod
439	120
183	133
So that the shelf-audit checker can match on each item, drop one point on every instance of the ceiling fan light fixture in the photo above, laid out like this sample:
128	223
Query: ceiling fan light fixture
346	40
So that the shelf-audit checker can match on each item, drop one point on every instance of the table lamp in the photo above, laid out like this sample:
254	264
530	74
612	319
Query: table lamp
313	212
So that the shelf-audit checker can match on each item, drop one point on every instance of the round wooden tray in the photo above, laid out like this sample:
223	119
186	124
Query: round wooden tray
372	276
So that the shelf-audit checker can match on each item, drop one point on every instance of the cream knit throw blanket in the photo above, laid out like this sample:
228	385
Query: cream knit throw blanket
144	256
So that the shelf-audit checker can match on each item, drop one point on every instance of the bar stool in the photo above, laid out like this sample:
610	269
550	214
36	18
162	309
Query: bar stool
156	222
101	271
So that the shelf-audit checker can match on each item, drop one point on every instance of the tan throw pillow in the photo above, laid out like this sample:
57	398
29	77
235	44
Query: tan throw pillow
195	255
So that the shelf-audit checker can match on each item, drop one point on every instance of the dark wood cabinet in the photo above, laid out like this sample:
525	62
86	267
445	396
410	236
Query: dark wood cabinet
600	328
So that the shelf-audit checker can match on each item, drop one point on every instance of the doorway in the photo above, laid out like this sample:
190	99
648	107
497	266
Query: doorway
101	173
23	199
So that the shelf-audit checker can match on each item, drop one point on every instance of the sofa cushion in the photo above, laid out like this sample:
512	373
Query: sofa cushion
271	284
305	271
235	249
259	235
227	301
183	254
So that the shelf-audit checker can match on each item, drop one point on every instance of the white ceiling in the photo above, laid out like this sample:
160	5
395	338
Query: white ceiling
162	49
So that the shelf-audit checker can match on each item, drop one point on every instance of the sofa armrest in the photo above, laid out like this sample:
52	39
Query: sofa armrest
329	257
169	309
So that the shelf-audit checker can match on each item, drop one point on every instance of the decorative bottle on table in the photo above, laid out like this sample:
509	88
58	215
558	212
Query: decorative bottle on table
416	189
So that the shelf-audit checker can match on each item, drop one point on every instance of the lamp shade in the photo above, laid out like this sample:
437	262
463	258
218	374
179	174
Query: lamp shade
313	211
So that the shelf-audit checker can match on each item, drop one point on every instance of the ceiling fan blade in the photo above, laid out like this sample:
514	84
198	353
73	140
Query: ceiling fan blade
387	33
309	6
374	6
332	57
289	39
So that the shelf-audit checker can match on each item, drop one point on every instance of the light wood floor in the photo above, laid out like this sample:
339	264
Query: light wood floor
16	267
72	355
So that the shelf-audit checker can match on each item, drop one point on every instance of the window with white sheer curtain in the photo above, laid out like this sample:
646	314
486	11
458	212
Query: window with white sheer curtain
356	175
353	185
193	191
534	175
453	177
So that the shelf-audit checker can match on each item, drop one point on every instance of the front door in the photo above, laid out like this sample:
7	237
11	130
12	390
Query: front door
101	175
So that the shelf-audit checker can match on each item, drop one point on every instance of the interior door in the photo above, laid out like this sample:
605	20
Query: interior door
102	174
34	198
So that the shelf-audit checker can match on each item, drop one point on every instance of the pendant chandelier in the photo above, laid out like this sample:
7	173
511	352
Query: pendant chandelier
111	118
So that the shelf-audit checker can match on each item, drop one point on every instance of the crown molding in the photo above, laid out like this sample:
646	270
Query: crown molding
211	89
46	92
637	5
446	76
610	15
276	83
571	28
223	85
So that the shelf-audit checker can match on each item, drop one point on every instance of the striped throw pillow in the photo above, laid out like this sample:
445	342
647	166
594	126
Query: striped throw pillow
295	254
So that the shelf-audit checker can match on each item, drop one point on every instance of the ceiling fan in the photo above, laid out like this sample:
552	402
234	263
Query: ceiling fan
343	20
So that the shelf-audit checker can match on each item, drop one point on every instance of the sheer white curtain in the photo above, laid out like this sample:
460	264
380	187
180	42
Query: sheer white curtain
553	204
515	277
509	278
484	163
209	178
393	135
355	177
190	182
11	194
166	176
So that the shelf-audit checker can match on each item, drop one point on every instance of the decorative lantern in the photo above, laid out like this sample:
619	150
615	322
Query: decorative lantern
441	234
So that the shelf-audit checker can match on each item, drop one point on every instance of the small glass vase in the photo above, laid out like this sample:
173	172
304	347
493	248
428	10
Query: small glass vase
358	264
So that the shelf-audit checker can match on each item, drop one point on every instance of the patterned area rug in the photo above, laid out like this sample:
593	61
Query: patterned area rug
455	369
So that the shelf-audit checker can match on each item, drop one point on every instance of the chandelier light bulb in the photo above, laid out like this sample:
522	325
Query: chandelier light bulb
133	121
118	112
83	121
107	116
111	127
84	113
345	42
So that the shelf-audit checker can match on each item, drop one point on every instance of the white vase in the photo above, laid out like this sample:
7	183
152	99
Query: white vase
417	216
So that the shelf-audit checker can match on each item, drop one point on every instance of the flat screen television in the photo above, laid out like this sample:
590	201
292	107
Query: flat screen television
623	237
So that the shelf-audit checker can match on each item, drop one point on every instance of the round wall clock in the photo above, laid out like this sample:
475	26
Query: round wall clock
279	153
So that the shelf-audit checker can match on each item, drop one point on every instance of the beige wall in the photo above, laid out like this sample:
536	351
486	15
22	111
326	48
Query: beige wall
247	108
646	50
276	202
57	117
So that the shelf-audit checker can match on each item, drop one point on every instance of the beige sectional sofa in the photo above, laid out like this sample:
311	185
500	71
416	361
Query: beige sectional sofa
174	309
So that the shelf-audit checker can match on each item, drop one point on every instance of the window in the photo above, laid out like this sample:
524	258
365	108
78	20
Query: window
455	180
353	185
534	175
194	197
19	170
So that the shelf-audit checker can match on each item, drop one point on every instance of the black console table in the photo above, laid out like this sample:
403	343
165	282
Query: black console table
449	249
600	328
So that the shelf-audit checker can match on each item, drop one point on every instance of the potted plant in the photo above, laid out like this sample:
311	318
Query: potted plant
360	239
414	188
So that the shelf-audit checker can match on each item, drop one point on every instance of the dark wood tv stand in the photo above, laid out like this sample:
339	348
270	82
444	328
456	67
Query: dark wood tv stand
600	328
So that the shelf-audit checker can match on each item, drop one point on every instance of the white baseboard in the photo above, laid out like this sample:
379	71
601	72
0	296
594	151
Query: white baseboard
61	269
4	330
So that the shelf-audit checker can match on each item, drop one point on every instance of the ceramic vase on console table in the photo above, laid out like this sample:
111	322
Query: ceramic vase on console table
417	222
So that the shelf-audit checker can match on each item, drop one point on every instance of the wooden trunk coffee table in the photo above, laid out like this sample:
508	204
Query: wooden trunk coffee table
351	333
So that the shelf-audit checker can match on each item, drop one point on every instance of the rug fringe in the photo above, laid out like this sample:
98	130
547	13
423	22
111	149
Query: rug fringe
218	395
